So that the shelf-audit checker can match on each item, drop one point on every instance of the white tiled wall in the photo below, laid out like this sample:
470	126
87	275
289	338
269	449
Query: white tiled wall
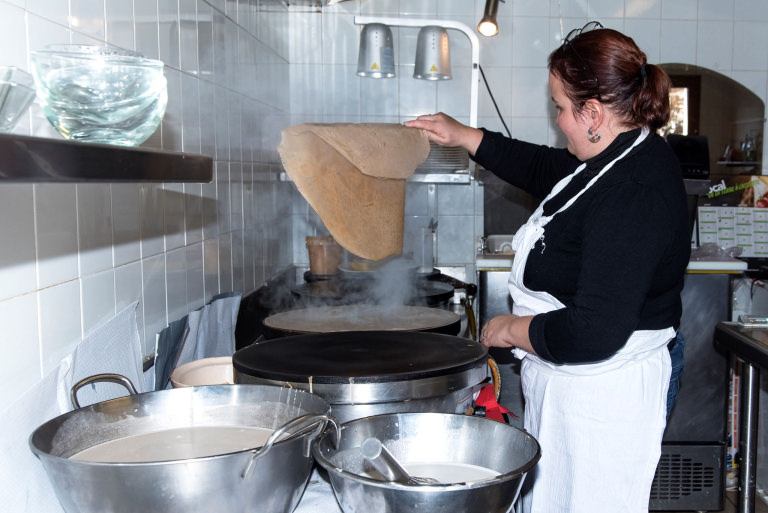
72	255
239	72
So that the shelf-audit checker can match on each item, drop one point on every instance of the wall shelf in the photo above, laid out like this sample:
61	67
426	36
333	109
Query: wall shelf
25	159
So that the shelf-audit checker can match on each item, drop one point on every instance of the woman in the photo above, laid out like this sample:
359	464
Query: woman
597	274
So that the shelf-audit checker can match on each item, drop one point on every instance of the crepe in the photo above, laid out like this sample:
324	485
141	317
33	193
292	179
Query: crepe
361	317
354	175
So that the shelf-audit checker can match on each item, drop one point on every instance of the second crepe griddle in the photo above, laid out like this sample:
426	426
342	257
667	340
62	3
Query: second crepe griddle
340	318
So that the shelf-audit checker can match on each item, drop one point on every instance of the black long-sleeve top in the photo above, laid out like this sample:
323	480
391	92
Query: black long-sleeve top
616	257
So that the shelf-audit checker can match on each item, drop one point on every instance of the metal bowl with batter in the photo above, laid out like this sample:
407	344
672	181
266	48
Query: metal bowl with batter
451	445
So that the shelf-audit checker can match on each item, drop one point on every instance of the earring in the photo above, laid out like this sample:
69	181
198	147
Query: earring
592	136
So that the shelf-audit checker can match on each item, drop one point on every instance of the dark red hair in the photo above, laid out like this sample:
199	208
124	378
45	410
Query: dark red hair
637	92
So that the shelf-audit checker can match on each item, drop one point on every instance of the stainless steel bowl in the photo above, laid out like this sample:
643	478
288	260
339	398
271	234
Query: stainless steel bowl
271	478
434	438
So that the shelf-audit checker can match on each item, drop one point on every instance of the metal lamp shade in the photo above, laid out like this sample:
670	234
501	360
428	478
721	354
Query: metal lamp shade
377	54
433	54
488	25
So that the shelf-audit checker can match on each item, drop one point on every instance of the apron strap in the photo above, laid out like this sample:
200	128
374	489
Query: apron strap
643	134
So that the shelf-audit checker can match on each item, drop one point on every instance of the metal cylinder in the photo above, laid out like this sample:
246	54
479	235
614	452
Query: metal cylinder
433	54
750	393
488	26
377	55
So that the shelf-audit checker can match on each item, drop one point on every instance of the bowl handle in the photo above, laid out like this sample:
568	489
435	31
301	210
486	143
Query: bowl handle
110	378
312	423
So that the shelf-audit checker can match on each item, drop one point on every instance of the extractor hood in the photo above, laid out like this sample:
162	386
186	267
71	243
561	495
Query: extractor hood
444	165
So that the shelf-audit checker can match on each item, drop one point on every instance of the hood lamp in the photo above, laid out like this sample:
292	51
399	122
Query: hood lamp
433	54
446	24
488	26
377	54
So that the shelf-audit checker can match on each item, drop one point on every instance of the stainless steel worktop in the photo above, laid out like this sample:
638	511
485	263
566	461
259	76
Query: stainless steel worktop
748	344
751	346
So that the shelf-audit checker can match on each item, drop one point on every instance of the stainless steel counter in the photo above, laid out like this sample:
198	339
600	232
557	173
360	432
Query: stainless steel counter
751	346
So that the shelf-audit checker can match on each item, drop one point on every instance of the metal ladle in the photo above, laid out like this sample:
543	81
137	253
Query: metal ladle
385	463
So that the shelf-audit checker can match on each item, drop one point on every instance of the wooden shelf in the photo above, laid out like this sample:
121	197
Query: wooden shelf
25	159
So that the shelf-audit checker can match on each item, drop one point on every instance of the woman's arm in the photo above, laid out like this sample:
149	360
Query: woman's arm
446	131
531	167
508	331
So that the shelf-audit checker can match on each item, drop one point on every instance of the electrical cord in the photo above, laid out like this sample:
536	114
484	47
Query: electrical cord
488	88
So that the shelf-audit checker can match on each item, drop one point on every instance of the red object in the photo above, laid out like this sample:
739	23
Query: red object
493	410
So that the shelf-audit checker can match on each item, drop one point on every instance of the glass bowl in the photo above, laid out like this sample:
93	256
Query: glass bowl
100	94
17	90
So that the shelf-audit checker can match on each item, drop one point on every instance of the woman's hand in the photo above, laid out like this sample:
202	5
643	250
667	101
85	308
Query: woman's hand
446	131
508	331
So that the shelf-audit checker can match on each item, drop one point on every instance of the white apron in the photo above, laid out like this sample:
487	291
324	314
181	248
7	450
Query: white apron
599	425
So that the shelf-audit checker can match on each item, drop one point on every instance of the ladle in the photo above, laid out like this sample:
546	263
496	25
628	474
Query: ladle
385	463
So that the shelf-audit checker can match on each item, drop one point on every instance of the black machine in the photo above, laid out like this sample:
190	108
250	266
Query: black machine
693	153
692	467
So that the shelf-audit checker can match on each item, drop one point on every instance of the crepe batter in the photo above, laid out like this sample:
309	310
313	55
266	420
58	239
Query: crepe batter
448	472
445	472
176	444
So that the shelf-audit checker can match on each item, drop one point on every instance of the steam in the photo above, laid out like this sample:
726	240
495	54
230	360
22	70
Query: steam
388	287
393	283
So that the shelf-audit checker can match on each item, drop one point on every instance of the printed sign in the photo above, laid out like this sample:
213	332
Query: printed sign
735	190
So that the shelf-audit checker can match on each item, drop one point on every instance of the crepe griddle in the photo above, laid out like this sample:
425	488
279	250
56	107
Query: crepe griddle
366	357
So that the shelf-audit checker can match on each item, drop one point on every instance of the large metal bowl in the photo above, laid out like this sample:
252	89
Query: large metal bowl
270	479
434	438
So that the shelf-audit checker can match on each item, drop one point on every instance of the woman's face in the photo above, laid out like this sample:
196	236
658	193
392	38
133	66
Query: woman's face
573	125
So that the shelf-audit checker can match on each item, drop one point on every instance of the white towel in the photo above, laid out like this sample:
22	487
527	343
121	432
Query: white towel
113	347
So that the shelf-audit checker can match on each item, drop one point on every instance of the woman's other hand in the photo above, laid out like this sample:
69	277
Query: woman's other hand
446	131
508	331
